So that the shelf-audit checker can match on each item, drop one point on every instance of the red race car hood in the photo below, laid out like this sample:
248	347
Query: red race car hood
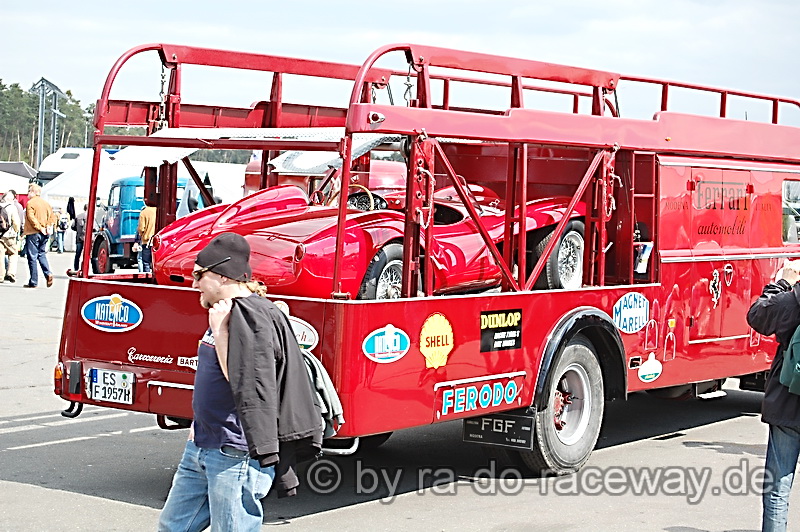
276	222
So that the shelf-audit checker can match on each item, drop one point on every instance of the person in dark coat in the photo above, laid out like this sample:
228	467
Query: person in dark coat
71	208
79	226
777	311
254	407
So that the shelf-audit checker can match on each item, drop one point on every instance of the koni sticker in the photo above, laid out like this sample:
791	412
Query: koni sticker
501	330
436	340
631	312
111	313
387	344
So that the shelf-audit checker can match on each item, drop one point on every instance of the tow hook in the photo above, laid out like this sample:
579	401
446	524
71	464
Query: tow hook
74	410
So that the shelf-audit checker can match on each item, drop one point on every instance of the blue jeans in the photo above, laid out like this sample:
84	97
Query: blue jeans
783	450
60	241
36	251
145	259
220	487
78	253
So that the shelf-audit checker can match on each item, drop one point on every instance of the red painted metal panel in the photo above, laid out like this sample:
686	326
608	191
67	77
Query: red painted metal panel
446	362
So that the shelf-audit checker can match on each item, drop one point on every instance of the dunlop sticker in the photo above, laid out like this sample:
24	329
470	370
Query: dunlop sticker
436	340
501	330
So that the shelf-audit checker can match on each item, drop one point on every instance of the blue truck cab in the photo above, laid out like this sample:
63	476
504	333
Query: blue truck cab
113	241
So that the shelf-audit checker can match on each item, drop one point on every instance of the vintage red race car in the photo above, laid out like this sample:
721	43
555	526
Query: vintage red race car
292	238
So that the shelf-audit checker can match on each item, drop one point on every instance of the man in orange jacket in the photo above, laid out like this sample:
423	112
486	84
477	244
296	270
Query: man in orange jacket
38	218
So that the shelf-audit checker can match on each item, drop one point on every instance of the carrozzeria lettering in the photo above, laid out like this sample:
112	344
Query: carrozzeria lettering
134	357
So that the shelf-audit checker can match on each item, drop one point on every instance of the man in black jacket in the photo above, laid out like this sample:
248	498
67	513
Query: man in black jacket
254	408
777	311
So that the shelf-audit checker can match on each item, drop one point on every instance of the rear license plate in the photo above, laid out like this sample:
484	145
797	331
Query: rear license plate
506	430
111	386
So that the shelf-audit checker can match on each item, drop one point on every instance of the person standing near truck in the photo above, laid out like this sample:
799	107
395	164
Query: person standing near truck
8	240
144	237
777	311
39	218
79	226
250	374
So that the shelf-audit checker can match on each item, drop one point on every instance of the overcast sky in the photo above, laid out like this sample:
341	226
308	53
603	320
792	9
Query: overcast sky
740	44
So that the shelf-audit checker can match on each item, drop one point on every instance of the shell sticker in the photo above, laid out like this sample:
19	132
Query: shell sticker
436	340
631	312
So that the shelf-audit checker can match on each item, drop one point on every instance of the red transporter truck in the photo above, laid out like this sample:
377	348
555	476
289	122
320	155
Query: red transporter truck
433	297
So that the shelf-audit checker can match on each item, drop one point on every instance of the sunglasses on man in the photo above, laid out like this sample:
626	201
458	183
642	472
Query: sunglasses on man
198	274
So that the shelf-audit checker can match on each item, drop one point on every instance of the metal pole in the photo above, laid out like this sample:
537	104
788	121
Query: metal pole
40	135
54	124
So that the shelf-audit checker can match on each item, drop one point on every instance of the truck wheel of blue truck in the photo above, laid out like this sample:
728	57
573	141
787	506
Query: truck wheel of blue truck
101	257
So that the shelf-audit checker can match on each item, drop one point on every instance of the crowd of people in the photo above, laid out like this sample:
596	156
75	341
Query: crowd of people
31	231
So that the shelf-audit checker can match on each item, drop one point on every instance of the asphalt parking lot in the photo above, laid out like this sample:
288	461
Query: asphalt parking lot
689	466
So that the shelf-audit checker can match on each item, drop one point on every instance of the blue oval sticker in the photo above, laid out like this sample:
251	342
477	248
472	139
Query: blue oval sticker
387	344
111	313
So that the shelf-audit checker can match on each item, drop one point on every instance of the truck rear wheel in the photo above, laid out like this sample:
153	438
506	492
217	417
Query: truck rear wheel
568	426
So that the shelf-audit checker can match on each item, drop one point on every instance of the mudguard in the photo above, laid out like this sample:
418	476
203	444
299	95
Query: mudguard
599	328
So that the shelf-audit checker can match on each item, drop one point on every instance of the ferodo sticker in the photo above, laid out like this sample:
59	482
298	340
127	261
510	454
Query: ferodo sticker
478	395
387	344
436	340
631	312
111	313
501	330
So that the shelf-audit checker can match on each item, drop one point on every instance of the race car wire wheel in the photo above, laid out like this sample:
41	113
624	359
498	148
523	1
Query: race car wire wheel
570	260
564	266
384	276
391	281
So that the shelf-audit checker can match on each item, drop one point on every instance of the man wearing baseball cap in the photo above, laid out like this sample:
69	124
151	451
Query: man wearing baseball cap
250	375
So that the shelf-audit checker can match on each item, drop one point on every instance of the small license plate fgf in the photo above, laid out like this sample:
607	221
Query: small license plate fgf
506	430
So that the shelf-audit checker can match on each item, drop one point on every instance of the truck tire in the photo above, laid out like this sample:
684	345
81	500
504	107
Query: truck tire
564	267
568	425
384	276
101	257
